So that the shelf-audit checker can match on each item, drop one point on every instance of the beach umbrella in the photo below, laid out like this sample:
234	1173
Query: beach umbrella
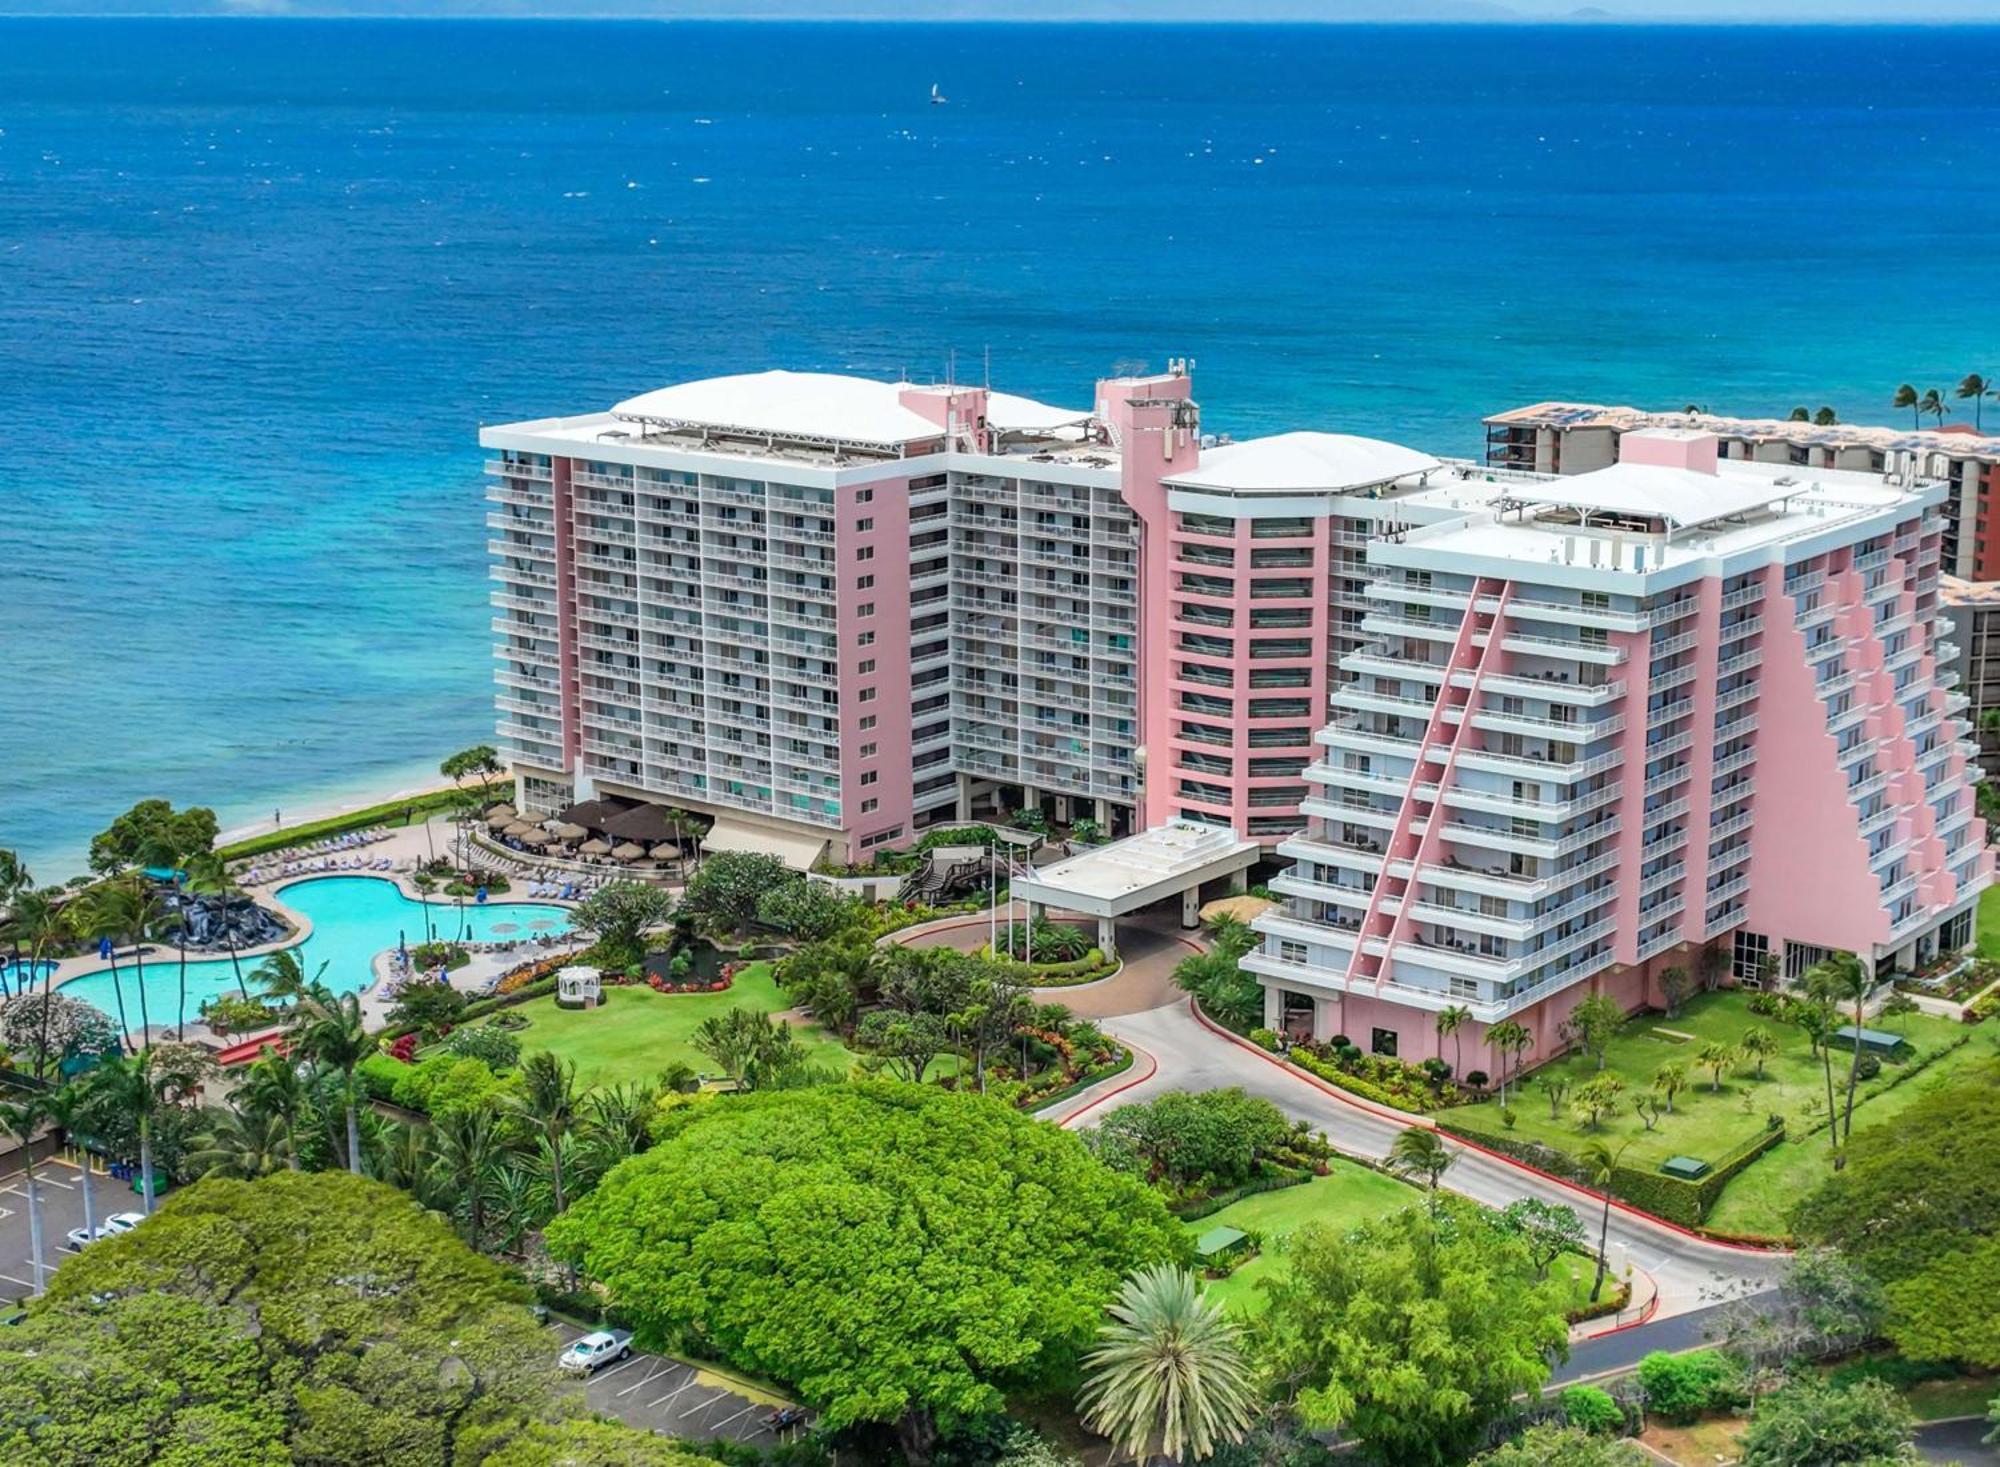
519	828
665	852
594	848
503	927
533	837
563	830
627	852
500	820
541	924
503	808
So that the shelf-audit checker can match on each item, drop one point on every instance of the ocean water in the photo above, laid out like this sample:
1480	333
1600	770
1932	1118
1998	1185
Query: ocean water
261	281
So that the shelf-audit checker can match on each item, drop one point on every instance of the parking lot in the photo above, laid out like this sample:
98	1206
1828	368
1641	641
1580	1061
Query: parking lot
677	1399
62	1209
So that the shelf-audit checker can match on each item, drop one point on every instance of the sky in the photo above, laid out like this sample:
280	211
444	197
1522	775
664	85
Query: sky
1806	11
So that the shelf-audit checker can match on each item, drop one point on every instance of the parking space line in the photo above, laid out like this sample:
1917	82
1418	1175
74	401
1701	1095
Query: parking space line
737	1417
659	1368
673	1395
704	1406
12	1280
621	1365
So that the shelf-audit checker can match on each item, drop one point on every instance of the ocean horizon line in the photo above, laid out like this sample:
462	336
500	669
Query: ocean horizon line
1884	22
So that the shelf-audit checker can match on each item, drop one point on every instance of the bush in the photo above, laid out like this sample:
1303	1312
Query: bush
444	1083
1477	1079
1592	1409
1683	1387
1210	1140
231	1013
1867	1067
1265	1039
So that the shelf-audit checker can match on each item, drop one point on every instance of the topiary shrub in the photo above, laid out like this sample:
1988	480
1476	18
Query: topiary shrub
1681	1387
1265	1039
1477	1079
1592	1410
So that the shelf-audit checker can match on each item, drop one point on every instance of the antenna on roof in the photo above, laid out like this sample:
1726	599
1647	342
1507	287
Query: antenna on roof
986	373
951	367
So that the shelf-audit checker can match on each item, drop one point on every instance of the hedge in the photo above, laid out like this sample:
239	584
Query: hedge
1902	1074
1367	1089
1678	1201
278	840
1083	1082
1201	1207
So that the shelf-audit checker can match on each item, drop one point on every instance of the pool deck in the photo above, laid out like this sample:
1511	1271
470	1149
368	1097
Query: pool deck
409	843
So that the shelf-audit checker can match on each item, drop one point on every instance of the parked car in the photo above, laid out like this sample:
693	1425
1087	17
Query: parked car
600	1347
78	1237
121	1222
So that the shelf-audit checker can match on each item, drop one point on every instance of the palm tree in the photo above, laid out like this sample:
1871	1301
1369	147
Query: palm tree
1906	397
1600	1165
20	1118
547	1101
514	1200
1760	1044
1417	1153
1670	1080
1510	1039
425	883
1842	977
1715	1058
1977	388
126	1085
208	875
274	1088
465	1147
70	1108
124	907
1450	1020
1168	1373
283	978
1933	405
333	1032
244	1144
1826	417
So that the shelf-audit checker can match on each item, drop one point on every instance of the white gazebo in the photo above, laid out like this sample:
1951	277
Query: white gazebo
579	987
1174	859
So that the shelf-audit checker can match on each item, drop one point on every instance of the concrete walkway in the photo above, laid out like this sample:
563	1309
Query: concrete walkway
1682	1271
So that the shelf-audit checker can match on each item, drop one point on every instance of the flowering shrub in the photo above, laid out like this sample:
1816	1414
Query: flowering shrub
404	1049
74	1027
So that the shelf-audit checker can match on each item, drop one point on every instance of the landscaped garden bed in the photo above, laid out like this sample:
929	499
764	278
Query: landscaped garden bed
1696	1087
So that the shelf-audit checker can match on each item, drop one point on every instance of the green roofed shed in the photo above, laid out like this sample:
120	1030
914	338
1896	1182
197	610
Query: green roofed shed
1874	1041
1221	1243
1687	1168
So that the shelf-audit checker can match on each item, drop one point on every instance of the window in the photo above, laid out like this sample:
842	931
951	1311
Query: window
864	496
863	525
1382	1042
1291	952
867	722
867	666
865	583
868	776
868	806
866	608
866	639
868	751
866	552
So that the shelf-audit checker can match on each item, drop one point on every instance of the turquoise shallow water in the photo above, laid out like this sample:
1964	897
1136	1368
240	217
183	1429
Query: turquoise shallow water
261	281
353	919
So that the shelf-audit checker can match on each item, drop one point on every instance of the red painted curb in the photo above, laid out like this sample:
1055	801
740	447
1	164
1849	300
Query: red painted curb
1152	1069
1645	1317
1403	1119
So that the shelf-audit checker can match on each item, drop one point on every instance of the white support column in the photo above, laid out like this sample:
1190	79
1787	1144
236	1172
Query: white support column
964	811
1107	937
1191	907
1274	1008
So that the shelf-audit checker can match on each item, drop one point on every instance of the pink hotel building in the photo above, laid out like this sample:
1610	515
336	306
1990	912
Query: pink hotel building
829	611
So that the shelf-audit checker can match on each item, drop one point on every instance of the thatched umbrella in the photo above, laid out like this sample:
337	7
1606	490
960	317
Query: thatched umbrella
500	820
594	848
520	830
535	837
665	852
564	830
627	851
503	808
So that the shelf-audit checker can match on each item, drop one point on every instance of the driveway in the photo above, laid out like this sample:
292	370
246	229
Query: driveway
659	1393
1962	1442
1686	1273
1149	948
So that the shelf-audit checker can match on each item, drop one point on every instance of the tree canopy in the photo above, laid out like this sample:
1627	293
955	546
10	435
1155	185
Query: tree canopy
1917	1207
302	1317
1411	1333
724	892
152	832
1562	1446
1810	1423
1217	1135
618	915
896	1254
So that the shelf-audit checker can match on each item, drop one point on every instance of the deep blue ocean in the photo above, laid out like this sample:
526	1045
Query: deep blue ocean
261	281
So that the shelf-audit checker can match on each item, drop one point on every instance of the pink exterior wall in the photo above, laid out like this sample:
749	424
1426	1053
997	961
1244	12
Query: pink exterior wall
1810	880
960	411
1154	422
889	539
567	679
1669	449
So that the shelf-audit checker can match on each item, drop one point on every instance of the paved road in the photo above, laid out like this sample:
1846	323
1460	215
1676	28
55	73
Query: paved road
1688	1272
1957	1441
657	1393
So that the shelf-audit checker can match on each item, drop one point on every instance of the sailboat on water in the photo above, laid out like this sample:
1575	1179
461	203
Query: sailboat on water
938	99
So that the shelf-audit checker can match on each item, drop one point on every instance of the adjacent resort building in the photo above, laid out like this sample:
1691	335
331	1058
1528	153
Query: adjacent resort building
1514	732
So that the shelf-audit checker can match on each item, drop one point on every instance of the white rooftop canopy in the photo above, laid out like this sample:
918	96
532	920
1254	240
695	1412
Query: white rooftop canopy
1126	875
796	848
1295	462
828	405
1682	497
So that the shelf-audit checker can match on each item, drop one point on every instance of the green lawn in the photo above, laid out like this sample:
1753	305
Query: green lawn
1760	1199
636	1033
1346	1197
1987	928
1706	1123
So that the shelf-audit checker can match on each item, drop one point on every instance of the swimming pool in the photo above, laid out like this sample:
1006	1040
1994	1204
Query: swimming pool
353	919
